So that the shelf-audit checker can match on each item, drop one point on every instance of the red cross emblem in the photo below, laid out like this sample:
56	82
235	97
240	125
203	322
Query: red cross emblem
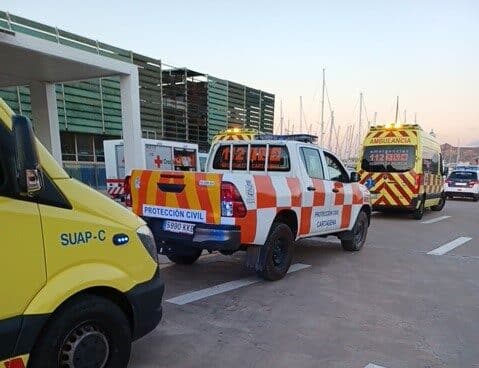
158	161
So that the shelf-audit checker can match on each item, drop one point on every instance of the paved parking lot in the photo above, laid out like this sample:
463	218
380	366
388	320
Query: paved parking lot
391	305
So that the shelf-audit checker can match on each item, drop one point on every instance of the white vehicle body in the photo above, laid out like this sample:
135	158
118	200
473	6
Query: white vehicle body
462	183
257	195
157	155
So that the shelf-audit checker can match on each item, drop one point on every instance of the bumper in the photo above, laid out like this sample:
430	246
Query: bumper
210	237
410	206
463	193
145	300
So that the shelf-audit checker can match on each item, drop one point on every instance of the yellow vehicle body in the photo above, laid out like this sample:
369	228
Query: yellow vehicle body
235	134
59	245
402	167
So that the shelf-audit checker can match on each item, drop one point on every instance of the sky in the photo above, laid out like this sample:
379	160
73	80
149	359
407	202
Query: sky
425	52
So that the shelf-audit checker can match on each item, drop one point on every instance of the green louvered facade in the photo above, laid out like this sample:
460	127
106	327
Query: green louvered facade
175	104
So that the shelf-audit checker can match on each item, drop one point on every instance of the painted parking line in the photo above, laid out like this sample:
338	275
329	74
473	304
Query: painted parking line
437	219
371	365
227	286
443	249
166	265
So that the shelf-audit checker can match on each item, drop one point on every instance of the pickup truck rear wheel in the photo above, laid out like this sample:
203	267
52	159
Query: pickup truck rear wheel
185	260
358	234
279	252
88	331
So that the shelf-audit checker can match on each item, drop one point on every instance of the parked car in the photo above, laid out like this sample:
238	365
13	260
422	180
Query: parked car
462	183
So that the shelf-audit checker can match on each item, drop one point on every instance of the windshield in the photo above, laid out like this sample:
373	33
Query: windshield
388	158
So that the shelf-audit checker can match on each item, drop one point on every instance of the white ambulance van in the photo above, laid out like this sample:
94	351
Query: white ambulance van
157	155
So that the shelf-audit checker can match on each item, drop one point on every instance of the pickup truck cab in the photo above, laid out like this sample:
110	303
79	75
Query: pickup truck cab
259	196
79	273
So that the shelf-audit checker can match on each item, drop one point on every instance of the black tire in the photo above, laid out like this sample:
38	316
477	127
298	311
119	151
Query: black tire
185	260
279	252
357	238
88	331
440	205
418	213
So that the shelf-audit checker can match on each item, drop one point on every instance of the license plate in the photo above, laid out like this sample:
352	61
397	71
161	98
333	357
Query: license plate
459	189
178	227
461	184
374	196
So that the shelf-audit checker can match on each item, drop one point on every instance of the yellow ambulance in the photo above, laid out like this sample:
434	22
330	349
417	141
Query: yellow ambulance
79	273
402	167
236	134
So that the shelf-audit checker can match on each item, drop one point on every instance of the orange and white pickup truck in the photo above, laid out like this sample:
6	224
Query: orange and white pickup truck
259	196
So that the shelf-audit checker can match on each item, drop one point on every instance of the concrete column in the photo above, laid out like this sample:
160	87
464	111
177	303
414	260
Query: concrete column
130	111
45	117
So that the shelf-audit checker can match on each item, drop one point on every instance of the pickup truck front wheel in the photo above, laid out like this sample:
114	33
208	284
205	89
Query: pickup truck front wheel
185	260
357	238
279	252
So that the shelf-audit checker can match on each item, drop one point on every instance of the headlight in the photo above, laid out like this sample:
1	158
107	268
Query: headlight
147	239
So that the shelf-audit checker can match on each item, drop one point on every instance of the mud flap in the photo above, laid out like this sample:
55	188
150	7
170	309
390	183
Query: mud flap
345	235
256	257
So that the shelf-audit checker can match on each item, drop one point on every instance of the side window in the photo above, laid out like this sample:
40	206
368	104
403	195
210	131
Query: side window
278	159
435	163
222	158
430	161
336	170
312	161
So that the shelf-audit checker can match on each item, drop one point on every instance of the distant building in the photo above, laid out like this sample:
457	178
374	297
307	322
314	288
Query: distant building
175	103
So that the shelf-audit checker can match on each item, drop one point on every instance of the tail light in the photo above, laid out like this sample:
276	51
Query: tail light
232	204
419	182
449	182
127	191
472	183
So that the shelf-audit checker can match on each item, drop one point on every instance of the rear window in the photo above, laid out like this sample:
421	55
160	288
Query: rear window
278	158
184	159
222	158
463	175
388	158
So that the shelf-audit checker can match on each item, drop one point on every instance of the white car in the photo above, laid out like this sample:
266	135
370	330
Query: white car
462	183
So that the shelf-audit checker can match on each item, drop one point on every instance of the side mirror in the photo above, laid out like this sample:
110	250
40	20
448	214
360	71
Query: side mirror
354	177
29	173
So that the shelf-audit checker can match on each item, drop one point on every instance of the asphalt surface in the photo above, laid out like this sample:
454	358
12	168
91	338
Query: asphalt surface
390	305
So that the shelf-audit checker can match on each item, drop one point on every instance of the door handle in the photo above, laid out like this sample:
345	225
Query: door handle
311	189
335	190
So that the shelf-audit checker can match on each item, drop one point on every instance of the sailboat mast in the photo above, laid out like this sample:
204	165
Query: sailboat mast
300	114
338	131
360	118
331	127
281	117
397	109
322	109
